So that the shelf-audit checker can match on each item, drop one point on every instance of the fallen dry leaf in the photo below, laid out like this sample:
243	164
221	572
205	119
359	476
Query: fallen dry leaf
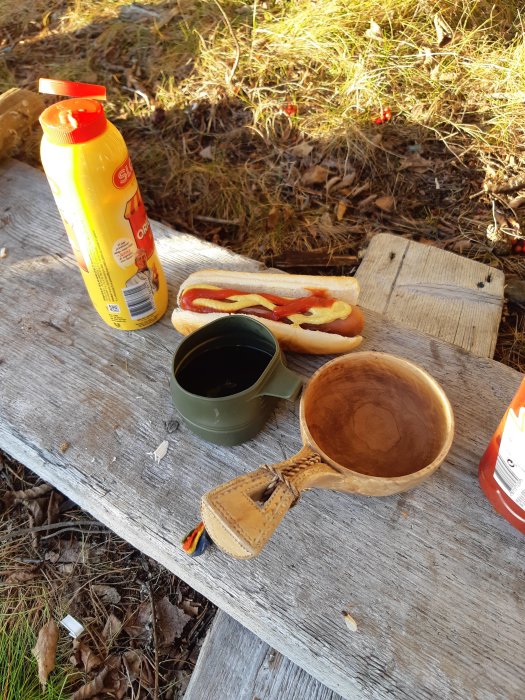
415	162
326	220
171	621
444	32
331	182
38	510
106	681
72	552
517	202
111	628
35	492
366	201
386	203
302	150
139	625
347	181
190	608
21	576
66	569
461	247
314	175
84	657
341	210
426	58
374	31
206	153
107	594
132	661
120	691
360	188
45	651
53	507
137	667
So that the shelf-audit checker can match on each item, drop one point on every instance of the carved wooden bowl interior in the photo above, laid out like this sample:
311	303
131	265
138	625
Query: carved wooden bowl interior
377	415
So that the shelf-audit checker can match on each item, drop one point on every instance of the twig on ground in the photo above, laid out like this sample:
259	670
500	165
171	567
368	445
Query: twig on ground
35	492
74	529
42	528
155	643
213	220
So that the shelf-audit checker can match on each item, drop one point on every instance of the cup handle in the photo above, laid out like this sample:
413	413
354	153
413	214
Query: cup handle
241	515
283	384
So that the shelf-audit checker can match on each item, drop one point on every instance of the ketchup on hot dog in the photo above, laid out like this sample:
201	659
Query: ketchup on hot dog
284	307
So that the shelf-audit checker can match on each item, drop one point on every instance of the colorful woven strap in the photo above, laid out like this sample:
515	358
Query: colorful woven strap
196	541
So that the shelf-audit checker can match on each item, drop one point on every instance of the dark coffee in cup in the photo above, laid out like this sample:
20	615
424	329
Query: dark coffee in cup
222	371
226	378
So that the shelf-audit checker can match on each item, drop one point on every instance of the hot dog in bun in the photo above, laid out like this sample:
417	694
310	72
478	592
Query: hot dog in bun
306	313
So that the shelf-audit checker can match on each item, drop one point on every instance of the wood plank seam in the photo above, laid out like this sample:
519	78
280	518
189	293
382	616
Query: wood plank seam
394	281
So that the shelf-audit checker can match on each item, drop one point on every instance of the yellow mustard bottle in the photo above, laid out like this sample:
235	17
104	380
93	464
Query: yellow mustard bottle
87	164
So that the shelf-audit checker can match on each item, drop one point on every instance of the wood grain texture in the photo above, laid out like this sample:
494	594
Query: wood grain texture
434	291
232	657
234	664
433	577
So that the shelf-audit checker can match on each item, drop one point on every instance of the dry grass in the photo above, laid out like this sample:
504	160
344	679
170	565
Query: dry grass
227	105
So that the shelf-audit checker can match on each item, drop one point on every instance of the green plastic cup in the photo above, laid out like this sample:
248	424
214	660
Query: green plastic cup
226	378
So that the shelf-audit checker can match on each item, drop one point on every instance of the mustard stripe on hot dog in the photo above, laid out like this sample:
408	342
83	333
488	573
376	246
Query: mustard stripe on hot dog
306	313
316	314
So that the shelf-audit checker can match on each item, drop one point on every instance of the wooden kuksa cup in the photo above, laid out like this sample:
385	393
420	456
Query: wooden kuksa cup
371	424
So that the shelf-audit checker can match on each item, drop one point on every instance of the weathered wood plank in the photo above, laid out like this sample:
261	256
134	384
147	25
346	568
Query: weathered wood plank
234	664
232	658
437	292
433	577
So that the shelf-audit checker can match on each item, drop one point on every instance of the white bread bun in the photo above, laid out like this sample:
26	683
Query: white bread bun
280	284
290	337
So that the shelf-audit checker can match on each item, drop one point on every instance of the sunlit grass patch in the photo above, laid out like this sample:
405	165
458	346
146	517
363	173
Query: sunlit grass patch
212	97
22	614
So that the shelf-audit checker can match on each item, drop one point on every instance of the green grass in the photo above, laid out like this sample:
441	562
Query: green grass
20	620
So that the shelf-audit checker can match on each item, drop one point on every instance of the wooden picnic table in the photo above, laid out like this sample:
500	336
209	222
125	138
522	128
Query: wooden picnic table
433	577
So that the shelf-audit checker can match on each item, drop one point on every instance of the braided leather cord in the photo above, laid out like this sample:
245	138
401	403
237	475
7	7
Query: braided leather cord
286	473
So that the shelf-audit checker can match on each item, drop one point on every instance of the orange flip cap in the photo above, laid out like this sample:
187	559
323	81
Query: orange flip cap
66	88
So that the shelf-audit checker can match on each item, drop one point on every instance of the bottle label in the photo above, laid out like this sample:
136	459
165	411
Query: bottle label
509	472
108	227
136	215
123	174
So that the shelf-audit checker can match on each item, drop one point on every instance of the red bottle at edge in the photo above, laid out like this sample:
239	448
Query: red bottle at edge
502	467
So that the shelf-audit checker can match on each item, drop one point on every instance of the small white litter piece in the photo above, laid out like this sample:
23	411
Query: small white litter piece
73	626
350	622
3	253
161	451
